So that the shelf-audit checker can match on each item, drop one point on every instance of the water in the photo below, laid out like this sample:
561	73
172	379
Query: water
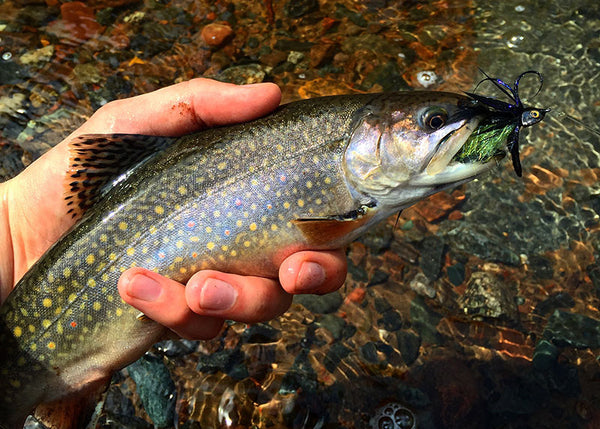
478	308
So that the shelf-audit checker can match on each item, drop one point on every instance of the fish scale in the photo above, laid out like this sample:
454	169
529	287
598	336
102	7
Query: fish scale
313	175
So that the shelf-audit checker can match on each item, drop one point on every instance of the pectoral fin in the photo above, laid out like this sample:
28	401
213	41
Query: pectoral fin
330	229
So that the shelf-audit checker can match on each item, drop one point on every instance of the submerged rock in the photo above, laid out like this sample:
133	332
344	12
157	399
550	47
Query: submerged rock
487	295
573	330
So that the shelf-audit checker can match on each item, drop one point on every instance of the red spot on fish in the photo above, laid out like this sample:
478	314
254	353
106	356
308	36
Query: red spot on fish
191	224
161	255
194	255
73	324
238	202
282	178
227	232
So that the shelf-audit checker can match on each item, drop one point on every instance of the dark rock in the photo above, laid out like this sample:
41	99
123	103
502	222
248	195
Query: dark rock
299	8
554	302
409	344
358	272
379	277
573	330
156	389
261	333
176	348
230	361
368	353
333	324
432	251
334	356
379	238
541	266
343	12
487	295
11	73
287	45
424	320
382	305
241	75
456	273
390	321
301	375
479	241
320	303
387	76
544	356
120	412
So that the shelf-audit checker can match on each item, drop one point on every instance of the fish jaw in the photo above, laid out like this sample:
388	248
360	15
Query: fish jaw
396	161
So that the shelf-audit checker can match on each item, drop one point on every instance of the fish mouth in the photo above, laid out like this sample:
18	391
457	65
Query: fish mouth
465	152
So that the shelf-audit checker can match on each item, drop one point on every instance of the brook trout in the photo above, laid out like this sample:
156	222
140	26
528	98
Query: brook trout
315	174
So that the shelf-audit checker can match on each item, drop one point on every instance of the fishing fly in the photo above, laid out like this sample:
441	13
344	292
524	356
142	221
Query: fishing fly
514	113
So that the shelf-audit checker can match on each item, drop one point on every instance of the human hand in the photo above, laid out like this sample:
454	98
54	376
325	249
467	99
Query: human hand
33	215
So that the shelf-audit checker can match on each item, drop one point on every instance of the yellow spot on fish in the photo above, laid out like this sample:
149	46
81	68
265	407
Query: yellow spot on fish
224	248
208	229
47	302
46	323
90	259
286	205
170	226
179	244
51	345
273	227
67	272
50	277
152	229
309	184
210	245
91	283
221	165
97	306
252	226
194	239
119	312
33	347
300	203
130	251
238	223
18	331
183	270
216	213
15	383
122	226
21	361
159	210
60	289
112	256
31	328
182	190
72	297
104	277
327	180
254	182
246	243
233	253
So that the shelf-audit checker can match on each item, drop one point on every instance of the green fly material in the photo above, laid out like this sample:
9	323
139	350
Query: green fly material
487	141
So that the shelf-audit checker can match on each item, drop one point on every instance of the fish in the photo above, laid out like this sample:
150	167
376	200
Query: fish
314	174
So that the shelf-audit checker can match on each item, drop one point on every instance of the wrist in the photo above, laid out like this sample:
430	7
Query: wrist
6	247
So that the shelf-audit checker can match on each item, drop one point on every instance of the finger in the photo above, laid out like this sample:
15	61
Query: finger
184	108
163	300
313	272
242	298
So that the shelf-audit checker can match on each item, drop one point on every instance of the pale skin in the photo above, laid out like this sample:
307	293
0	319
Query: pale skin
33	216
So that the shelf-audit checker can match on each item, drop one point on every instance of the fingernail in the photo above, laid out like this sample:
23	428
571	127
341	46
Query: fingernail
310	277
143	288
217	295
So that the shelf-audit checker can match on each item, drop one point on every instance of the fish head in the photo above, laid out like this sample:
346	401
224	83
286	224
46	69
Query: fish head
406	146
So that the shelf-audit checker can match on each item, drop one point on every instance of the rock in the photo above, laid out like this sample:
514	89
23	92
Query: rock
424	320
321	304
573	330
408	344
261	333
456	273
301	375
176	348
544	356
215	35
41	55
333	324
477	240
387	76
11	73
487	295
378	277
321	54
229	361
390	321
422	286
295	57
241	75
368	353
87	73
334	356
554	302
78	23
432	252
156	389
299	8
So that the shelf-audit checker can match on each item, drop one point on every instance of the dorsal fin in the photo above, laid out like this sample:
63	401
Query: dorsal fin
100	161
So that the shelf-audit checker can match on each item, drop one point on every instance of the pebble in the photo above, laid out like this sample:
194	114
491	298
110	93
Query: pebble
216	34
321	304
487	295
421	285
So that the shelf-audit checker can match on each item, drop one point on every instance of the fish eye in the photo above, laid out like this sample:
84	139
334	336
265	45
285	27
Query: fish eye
532	116
433	118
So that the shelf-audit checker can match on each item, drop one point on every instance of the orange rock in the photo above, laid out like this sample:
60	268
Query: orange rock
357	295
216	34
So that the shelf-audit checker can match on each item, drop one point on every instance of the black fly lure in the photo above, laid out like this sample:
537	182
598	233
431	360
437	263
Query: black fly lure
512	113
